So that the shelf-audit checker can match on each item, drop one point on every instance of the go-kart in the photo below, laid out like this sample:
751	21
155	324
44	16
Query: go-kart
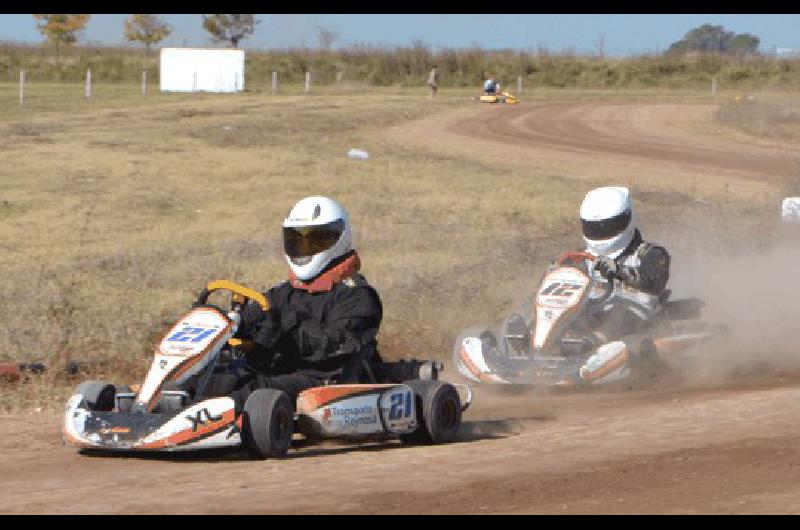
160	417
503	97
547	344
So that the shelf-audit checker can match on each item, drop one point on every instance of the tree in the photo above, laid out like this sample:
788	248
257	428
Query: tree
708	38
326	37
61	29
230	28
148	29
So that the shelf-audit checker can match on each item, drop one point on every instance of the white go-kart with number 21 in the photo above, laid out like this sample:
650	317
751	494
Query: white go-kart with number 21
154	417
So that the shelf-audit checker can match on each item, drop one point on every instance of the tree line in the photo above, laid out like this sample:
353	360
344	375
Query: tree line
64	29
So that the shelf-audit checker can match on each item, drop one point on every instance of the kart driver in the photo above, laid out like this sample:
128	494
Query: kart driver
490	87
322	322
637	270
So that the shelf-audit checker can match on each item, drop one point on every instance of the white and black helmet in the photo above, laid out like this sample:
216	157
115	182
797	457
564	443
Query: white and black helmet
316	232
608	221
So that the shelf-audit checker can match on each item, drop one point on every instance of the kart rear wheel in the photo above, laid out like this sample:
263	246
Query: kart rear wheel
99	395
267	423
438	412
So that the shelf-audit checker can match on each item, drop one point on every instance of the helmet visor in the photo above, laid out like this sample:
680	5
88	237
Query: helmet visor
305	241
606	228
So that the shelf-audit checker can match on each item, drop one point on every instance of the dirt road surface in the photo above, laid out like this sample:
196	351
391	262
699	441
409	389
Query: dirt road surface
729	449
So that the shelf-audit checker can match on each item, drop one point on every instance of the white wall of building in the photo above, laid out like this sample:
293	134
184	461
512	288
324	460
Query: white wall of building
201	70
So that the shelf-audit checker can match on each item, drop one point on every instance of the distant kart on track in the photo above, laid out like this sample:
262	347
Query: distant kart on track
504	98
158	417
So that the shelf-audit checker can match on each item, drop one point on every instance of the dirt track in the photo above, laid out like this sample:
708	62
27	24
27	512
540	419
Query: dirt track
724	450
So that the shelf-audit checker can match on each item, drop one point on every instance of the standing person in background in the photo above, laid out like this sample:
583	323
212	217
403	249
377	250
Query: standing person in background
433	80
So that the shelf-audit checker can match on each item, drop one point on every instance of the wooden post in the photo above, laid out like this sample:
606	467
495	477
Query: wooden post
714	86
339	77
308	81
274	83
519	84
144	82
21	87
194	82
88	83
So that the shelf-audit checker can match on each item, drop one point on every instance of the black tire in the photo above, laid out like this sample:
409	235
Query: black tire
98	395
267	423
438	412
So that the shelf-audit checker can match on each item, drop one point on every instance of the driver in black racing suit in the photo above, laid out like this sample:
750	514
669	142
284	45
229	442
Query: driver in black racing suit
322	322
637	271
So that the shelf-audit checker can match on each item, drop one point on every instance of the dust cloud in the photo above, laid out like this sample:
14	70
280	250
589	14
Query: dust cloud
751	285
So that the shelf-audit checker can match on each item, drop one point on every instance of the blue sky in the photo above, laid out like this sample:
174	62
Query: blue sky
622	34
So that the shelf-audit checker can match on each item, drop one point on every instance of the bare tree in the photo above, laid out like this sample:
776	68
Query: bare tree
600	45
230	28
326	37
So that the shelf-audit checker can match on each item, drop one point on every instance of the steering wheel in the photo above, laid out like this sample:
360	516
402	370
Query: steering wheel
239	298
577	258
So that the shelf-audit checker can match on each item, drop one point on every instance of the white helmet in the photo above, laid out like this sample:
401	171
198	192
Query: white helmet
316	232
608	221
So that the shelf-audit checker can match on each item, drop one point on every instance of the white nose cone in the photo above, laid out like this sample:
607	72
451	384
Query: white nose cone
790	211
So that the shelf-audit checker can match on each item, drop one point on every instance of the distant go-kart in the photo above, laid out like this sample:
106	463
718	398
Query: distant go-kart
102	416
503	97
548	345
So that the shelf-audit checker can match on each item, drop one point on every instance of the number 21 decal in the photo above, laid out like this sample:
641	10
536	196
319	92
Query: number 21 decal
401	406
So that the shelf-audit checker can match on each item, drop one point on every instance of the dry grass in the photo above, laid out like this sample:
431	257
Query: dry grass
762	116
114	215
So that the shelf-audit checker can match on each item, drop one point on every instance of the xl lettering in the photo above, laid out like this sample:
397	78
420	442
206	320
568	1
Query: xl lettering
198	420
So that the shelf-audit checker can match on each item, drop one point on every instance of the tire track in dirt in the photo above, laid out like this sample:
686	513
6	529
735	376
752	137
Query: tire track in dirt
628	131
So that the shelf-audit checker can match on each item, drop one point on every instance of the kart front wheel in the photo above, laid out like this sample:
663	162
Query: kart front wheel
267	423
438	412
99	395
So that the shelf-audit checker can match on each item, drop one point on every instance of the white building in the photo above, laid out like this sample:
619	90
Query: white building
201	70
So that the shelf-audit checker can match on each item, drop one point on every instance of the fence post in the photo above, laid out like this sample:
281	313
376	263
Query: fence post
21	88
339	77
274	83
144	82
88	83
194	82
519	84
714	86
308	81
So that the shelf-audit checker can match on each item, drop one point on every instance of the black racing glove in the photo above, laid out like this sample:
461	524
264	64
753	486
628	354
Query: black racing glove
607	267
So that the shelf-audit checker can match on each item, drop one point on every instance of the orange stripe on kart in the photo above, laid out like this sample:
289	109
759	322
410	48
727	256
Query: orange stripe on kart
462	353
316	397
187	435
615	363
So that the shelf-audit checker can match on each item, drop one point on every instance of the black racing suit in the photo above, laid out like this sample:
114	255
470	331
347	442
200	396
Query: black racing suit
639	286
643	272
309	339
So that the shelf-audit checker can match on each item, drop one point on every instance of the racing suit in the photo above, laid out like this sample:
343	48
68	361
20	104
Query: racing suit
316	332
638	289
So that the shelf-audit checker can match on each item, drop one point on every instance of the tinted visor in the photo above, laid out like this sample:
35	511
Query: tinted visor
606	228
305	241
